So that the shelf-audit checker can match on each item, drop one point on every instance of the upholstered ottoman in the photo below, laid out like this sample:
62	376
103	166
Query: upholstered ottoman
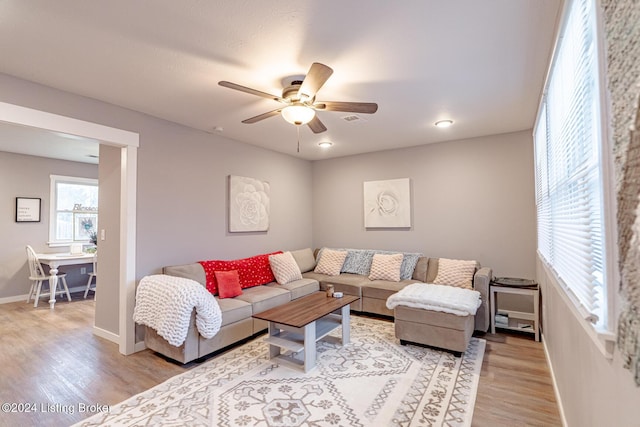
433	328
435	315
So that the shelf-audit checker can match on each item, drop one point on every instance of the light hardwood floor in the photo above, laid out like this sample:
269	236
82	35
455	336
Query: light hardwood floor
51	361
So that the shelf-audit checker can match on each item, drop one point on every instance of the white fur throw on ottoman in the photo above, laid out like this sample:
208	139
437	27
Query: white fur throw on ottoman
448	299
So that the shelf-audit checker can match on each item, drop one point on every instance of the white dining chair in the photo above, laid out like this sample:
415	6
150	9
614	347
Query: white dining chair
92	274
37	276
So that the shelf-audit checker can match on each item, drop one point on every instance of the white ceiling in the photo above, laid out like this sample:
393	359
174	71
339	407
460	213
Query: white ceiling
480	63
44	143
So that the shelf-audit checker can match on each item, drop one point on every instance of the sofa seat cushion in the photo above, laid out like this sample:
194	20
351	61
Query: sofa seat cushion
233	310
345	282
342	279
383	289
321	278
263	298
299	288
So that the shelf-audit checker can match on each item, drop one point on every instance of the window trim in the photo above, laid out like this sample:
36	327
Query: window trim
609	199
54	179
603	337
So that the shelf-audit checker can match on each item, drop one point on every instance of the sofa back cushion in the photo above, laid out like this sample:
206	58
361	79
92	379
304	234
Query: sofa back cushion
432	272
252	271
188	271
421	270
305	259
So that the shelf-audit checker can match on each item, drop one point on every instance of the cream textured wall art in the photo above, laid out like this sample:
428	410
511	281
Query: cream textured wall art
248	204
387	204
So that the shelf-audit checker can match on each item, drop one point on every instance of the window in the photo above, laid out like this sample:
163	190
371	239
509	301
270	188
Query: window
74	209
570	151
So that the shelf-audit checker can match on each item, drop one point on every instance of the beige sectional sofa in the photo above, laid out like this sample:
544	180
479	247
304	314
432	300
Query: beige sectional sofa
238	323
374	293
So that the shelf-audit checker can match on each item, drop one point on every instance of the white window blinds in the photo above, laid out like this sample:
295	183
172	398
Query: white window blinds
568	174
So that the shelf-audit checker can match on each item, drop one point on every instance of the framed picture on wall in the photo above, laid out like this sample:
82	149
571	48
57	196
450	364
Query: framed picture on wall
248	204
387	204
28	209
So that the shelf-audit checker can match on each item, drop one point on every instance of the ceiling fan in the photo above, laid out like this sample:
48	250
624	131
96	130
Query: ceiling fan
300	100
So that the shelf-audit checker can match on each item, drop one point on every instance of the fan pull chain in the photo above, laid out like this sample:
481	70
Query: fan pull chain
298	129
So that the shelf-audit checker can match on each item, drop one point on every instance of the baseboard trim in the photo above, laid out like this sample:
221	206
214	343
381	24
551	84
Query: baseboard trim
139	346
110	336
555	384
17	298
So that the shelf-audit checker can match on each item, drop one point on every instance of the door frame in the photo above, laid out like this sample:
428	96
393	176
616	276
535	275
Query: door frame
128	142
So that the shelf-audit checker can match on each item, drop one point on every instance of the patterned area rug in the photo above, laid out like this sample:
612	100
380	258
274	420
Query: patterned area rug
373	381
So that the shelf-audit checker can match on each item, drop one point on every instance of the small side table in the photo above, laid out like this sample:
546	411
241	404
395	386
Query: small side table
512	285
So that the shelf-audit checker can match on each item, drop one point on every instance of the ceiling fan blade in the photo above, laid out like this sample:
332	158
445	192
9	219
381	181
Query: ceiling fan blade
351	107
249	90
317	76
316	125
262	116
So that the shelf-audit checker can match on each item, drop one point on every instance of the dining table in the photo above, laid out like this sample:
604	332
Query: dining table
56	260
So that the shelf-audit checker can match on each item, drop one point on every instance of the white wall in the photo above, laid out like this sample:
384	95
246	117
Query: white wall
594	391
182	175
472	199
108	278
29	176
182	198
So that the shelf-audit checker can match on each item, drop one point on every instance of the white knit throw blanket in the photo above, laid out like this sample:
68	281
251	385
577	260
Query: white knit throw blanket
448	299
165	303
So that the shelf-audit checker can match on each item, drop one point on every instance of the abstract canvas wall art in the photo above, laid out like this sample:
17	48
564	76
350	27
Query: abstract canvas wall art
248	204
387	204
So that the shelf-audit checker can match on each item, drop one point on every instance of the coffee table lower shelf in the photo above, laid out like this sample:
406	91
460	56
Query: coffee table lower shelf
296	326
299	342
293	338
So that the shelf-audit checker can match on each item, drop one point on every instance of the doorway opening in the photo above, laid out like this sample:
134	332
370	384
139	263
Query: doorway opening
127	142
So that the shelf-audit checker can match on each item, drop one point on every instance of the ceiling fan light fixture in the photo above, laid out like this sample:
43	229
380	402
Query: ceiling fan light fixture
298	114
325	144
443	123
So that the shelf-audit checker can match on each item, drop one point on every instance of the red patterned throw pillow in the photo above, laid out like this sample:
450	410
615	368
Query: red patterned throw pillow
252	271
228	284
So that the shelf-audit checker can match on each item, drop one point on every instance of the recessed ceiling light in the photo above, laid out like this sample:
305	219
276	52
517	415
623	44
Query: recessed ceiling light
325	144
444	123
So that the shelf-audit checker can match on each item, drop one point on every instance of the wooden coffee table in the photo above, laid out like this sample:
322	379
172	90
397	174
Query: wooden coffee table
297	325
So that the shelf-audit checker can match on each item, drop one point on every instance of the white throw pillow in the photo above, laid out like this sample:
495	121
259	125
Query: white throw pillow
455	272
330	262
386	267
285	268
